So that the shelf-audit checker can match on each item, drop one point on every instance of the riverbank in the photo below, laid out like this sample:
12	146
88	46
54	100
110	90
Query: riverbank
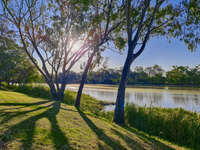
28	121
130	87
175	125
169	124
114	86
147	97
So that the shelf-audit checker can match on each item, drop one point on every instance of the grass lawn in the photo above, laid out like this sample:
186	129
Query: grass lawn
34	123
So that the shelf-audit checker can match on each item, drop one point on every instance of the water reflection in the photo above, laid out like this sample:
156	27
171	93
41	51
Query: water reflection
168	98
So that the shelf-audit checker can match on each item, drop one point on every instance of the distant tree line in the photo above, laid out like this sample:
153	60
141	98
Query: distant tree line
155	75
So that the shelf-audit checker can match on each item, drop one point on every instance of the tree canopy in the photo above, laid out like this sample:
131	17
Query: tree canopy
15	66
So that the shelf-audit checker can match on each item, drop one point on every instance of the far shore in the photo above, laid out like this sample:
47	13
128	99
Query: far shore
113	86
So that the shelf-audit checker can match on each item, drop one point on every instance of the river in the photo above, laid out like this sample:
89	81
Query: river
188	99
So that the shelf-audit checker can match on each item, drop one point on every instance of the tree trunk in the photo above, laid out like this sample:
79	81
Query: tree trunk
62	89
83	79
53	90
120	101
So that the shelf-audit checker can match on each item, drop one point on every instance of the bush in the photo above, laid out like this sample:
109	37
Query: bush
3	85
175	125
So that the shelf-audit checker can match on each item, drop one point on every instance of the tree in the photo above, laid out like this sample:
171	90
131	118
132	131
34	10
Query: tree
152	71
15	67
183	75
139	76
145	19
54	35
104	22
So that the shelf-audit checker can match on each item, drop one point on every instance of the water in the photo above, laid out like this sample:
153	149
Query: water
188	99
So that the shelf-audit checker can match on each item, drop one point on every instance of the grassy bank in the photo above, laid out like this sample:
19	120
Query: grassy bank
176	125
27	122
89	104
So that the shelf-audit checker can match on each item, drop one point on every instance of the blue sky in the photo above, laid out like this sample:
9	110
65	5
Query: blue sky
158	51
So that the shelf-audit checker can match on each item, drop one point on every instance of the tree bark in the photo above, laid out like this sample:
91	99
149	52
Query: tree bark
120	101
83	79
63	86
53	90
62	91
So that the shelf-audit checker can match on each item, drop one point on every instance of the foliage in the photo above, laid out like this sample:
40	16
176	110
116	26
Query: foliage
176	125
181	75
15	67
155	75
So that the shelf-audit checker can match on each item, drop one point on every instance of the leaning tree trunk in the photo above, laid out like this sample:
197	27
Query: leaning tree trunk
120	101
83	79
53	90
62	89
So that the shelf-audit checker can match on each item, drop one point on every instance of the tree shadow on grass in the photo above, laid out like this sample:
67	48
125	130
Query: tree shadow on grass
147	139
21	105
24	104
100	134
26	129
133	144
130	142
9	115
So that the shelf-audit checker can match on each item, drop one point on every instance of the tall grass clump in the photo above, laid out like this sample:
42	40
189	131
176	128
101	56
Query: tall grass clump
176	125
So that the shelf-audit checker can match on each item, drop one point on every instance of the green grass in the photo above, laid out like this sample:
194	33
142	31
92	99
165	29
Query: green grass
28	122
89	104
175	125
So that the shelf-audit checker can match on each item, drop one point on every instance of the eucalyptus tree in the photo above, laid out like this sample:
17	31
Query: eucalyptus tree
52	33
150	18
104	19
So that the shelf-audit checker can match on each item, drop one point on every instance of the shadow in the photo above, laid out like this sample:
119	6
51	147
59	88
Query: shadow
101	135
133	144
1	110
68	109
24	104
10	115
147	139
26	128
